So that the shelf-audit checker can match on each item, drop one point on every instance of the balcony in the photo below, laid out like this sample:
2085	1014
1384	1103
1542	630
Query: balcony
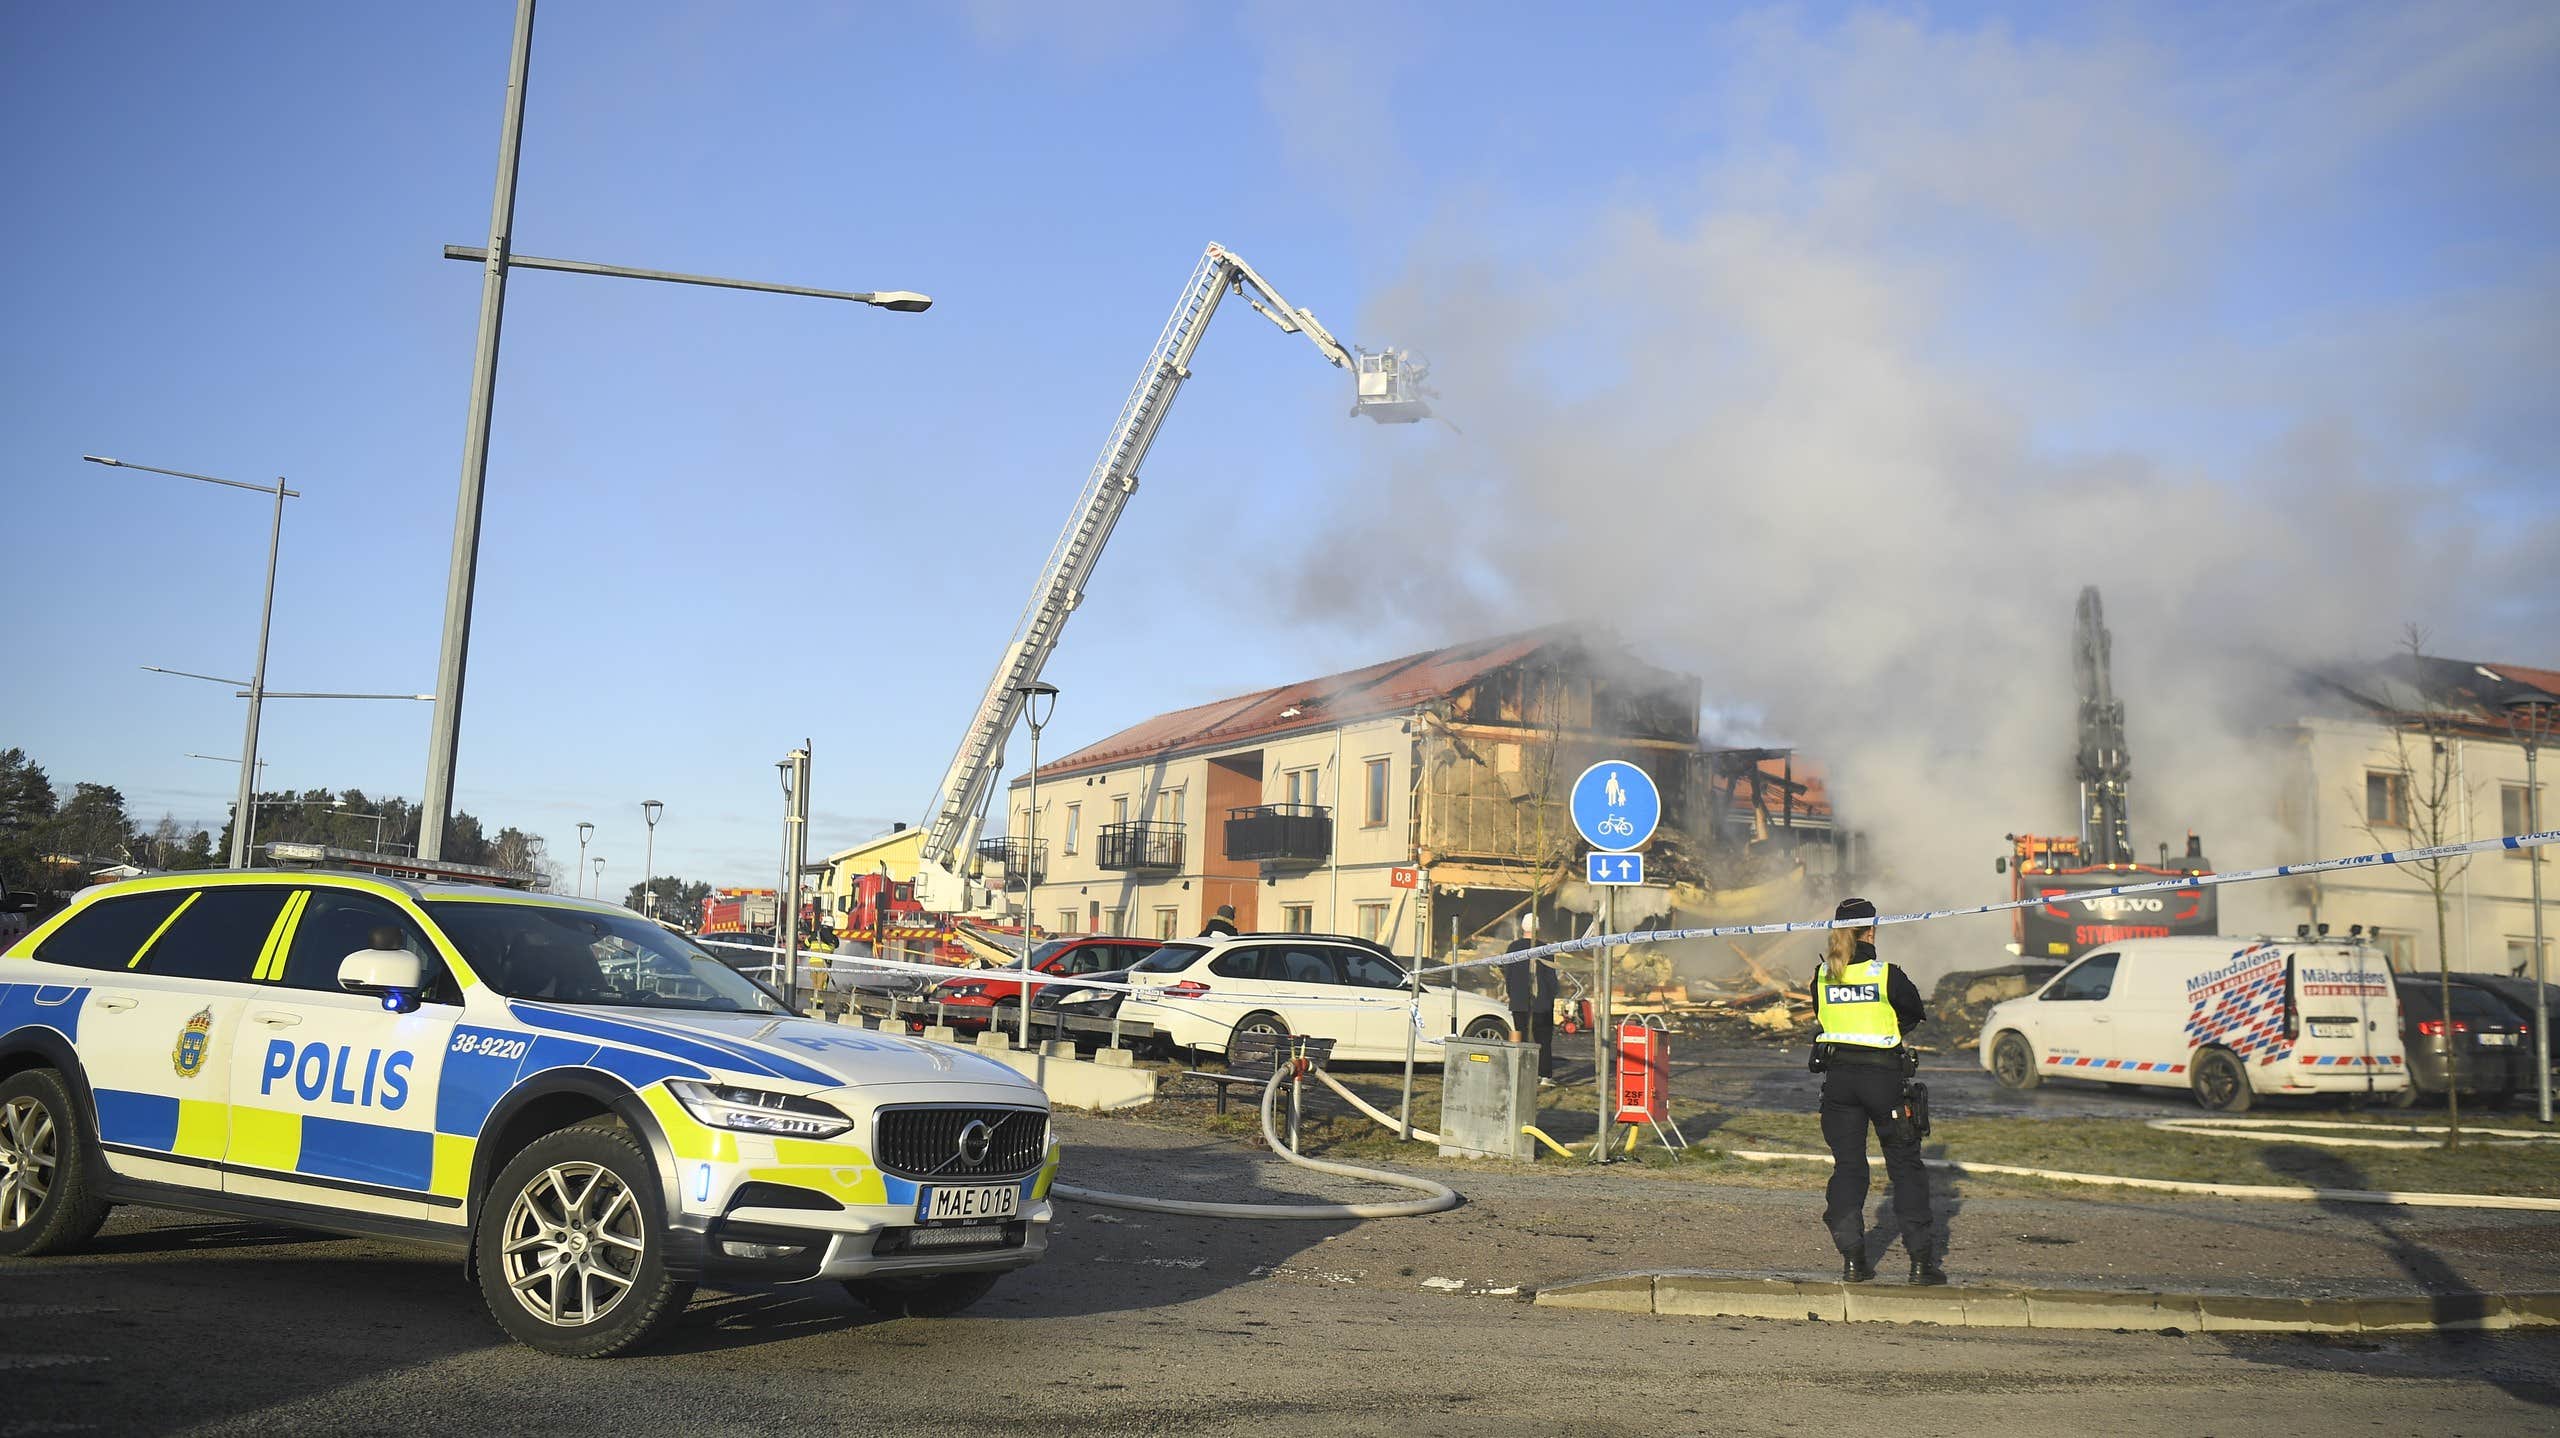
1011	857
1136	845
1280	833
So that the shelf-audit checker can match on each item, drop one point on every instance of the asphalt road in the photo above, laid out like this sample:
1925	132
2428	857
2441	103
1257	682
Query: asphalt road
1146	1325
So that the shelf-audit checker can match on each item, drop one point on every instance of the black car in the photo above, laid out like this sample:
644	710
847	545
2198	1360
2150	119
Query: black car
2484	1050
1090	1003
2517	995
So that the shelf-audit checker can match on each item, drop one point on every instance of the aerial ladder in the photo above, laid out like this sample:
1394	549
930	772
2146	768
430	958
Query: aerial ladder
1387	388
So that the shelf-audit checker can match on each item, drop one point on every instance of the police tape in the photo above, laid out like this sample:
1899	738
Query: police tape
1007	975
2185	881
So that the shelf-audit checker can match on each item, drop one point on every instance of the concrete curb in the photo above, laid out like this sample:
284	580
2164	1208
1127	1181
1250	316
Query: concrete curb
1716	1295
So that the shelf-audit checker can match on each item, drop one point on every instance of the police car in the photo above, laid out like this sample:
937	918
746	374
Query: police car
590	1110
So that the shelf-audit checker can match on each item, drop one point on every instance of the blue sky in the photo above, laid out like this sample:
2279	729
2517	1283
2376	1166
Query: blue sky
720	523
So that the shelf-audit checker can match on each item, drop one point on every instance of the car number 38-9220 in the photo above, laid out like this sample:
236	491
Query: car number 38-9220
496	1046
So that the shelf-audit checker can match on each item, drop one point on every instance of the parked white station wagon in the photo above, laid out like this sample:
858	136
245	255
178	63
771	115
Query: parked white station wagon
2229	1019
1203	992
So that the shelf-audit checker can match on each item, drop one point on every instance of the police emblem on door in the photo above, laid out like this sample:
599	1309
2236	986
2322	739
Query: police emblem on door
193	1042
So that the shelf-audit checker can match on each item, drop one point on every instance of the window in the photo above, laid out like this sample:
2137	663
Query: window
1299	966
1298	918
1066	921
1373	813
2386	798
2399	948
336	923
539	951
1237	964
1368	971
1373	923
2091	978
1099	920
2517	816
1304	786
221	935
1169	807
2520	955
1075	815
1171	959
1167	920
1119	808
107	934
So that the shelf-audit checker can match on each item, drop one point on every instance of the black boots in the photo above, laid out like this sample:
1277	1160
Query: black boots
1856	1268
1925	1272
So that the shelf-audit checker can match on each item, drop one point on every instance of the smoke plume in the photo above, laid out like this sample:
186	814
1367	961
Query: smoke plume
1846	435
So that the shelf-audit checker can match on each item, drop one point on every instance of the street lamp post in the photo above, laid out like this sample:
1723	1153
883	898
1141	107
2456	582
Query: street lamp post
266	616
2532	717
495	259
650	809
578	875
1034	716
599	876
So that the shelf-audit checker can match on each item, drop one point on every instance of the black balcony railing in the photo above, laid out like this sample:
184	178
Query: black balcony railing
1138	844
1280	833
1015	856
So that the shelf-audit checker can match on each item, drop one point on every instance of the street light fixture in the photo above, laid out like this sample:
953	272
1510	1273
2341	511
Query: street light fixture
650	809
257	681
599	876
496	258
1034	715
579	874
2531	717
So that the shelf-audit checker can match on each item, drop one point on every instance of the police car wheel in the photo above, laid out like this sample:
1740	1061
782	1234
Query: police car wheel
572	1245
2013	1063
1489	1029
47	1201
937	1297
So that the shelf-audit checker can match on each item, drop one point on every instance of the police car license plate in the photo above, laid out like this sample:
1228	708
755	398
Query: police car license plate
2333	1029
991	1201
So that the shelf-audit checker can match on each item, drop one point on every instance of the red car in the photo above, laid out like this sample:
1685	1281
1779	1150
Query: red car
970	999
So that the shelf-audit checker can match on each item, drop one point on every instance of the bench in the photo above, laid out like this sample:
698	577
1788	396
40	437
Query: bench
1252	1057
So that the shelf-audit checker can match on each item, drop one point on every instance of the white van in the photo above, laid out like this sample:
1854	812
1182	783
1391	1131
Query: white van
2228	1019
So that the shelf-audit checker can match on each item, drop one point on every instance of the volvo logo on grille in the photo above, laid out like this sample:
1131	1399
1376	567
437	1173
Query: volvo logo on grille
977	1140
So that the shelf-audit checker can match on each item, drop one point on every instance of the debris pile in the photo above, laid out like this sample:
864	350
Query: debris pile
1957	1006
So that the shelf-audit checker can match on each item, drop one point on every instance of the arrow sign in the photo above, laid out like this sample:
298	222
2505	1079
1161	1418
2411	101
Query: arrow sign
1606	868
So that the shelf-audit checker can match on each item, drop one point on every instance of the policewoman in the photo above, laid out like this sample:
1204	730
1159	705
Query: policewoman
1864	1006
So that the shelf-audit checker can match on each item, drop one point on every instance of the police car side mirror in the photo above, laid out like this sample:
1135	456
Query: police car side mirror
394	975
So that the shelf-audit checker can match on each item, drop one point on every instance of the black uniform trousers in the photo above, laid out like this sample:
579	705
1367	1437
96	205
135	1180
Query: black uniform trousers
1855	1097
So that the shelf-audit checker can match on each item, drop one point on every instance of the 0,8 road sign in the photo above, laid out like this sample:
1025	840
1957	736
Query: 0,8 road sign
1613	868
1615	805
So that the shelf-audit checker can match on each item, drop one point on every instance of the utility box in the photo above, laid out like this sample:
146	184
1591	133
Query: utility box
1488	1094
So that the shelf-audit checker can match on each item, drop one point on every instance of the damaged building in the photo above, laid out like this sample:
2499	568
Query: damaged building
1419	803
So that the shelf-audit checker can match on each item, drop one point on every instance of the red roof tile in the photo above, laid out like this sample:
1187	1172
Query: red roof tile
1388	688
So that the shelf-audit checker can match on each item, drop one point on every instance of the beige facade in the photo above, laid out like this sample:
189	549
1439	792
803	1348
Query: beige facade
1296	805
1360	772
2351	788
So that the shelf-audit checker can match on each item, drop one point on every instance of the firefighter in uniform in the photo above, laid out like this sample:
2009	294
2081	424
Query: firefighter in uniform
1863	1007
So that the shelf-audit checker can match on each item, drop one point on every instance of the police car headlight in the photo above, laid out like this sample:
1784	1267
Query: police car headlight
750	1110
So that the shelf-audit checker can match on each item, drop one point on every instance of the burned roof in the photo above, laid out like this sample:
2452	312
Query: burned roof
1391	687
2465	690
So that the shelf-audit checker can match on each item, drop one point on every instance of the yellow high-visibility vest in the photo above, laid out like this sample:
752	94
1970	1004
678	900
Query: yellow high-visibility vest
1852	1008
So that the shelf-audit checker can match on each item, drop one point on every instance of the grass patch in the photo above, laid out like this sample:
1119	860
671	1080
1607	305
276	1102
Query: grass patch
2127	1147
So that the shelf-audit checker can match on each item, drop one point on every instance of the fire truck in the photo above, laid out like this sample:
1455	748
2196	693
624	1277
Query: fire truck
751	911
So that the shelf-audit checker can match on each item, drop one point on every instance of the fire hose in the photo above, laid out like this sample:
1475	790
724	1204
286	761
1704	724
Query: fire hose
1442	1197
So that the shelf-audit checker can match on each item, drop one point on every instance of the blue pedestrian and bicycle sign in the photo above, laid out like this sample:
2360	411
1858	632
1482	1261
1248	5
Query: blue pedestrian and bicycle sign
1616	806
1613	868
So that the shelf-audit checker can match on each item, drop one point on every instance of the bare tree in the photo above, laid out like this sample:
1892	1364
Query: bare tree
2428	805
